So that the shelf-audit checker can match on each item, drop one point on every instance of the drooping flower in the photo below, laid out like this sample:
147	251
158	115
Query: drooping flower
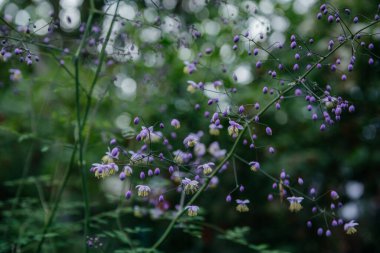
189	68
190	186
107	159
104	170
143	190
155	136
191	140
192	86
295	203
145	134
214	129
233	129
217	84
181	157
255	166
175	123
206	168
15	75
192	210
242	205
350	227
128	171
136	157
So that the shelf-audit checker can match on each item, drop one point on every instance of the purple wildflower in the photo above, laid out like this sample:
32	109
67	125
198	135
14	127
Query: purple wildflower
175	123
233	129
242	205
295	203
192	210
350	227
190	186
255	166
206	168
143	190
191	140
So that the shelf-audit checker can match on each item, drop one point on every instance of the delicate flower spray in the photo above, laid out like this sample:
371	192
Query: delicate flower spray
195	162
197	166
165	158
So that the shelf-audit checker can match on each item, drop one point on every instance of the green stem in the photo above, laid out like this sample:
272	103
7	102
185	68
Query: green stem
81	125
80	137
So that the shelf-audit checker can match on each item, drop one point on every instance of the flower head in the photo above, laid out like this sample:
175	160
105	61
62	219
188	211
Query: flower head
350	227
217	84
189	68
255	166
128	171
206	168
295	203
15	75
175	123
192	210
145	134
181	157
190	186
234	128
104	170
143	190
242	205
191	140
192	86
214	129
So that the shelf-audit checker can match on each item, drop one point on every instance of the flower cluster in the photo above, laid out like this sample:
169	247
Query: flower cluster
196	166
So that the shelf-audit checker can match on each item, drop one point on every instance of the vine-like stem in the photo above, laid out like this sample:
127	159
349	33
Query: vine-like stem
290	87
79	134
80	125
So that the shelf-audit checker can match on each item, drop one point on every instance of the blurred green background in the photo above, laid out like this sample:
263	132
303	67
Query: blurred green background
38	124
